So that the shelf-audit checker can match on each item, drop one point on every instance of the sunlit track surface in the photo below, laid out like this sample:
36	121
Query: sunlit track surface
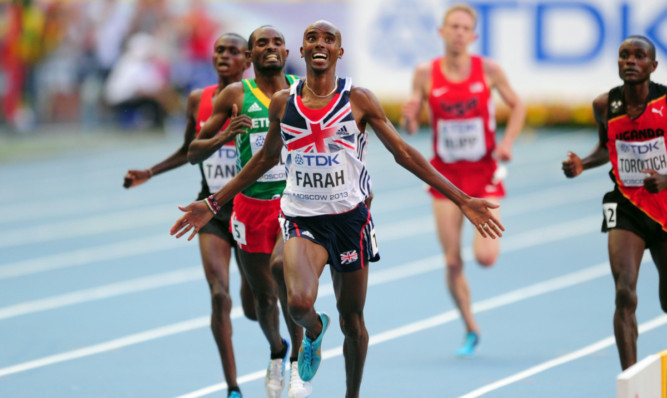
97	300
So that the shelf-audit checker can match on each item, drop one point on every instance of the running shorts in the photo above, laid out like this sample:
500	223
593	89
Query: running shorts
620	213
255	224
349	237
219	224
473	178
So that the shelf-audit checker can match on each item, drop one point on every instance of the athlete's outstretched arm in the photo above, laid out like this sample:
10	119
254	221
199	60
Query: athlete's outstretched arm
197	214
476	210
208	141
178	158
573	165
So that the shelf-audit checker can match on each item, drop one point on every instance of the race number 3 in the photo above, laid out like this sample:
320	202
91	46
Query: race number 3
238	230
610	216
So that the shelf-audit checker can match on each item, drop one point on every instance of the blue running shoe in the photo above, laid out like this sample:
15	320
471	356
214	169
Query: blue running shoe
234	394
310	353
468	348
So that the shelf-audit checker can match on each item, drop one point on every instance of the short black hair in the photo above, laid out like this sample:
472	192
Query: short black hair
234	35
651	46
251	39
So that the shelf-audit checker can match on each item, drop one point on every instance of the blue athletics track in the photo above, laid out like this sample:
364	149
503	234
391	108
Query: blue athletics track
98	300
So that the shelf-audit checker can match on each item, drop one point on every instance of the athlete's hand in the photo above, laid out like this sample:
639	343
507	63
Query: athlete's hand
655	182
479	213
136	177
238	124
197	214
572	165
410	120
504	150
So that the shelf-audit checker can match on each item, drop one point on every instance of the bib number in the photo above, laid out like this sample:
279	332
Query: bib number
633	157
461	140
374	242
238	231
610	214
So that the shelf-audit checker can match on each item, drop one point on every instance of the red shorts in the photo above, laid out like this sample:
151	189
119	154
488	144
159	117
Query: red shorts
255	223
473	178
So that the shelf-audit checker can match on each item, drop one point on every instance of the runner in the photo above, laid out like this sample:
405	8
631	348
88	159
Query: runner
323	122
457	88
631	121
255	218
215	239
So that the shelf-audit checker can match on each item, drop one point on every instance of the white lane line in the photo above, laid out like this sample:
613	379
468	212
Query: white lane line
162	242
110	222
157	215
149	335
113	251
540	200
588	350
325	290
511	243
514	296
150	282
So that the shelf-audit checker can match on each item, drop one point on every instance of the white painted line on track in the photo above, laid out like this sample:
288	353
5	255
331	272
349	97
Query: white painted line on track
326	290
82	227
150	282
588	350
517	242
146	216
562	282
149	335
112	251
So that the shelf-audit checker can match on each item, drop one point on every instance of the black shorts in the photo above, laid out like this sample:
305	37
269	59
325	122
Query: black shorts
349	237
219	224
620	213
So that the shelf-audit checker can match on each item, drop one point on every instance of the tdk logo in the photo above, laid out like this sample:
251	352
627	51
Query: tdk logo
227	153
320	160
640	148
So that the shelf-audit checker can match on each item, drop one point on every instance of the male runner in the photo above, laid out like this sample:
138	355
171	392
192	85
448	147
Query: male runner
215	239
631	121
457	88
324	219
255	218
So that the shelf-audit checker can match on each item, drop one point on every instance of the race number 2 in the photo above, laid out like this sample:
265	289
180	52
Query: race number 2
610	216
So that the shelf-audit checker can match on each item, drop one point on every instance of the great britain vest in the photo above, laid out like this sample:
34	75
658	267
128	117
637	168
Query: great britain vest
326	155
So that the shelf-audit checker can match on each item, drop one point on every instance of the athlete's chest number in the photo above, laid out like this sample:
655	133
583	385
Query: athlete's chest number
610	216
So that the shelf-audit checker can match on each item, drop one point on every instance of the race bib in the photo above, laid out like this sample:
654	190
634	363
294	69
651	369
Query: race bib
277	172
319	176
633	157
610	214
461	140
220	167
238	231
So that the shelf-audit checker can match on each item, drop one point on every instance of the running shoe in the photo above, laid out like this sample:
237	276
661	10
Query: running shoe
468	347
274	382
234	394
310	353
297	387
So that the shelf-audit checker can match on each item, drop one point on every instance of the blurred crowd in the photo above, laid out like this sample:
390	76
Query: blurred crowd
127	64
